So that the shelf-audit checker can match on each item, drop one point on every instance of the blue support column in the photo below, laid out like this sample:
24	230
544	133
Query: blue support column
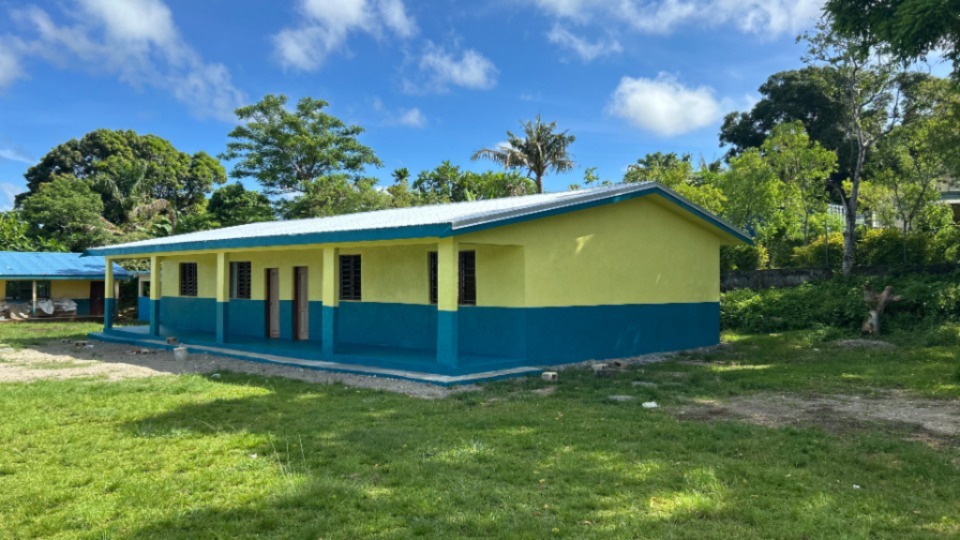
447	338
154	317
329	326
155	295
331	299
223	295
109	308
448	273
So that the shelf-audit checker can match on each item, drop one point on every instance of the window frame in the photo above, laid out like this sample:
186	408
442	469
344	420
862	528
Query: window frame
241	271
186	284
351	277
466	277
27	285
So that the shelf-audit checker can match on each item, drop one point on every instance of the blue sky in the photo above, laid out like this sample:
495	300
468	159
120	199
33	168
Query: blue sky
429	81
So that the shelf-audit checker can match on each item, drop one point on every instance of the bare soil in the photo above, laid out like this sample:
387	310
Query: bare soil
927	420
113	362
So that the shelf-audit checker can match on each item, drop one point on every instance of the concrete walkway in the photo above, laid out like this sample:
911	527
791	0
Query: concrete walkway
336	367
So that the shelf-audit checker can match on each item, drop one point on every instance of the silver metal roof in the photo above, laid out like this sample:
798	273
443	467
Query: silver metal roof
412	222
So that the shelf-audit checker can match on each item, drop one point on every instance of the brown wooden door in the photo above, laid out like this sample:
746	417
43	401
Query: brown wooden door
273	302
301	304
96	298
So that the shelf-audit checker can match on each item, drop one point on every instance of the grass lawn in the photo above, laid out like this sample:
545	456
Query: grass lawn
246	457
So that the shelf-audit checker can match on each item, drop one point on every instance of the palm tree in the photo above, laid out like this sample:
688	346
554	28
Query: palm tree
539	151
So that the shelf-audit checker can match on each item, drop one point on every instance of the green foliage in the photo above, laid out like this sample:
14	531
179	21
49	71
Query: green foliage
68	211
911	28
447	183
539	151
743	257
806	95
335	195
128	171
928	301
677	173
821	252
304	151
15	235
890	247
752	191
235	205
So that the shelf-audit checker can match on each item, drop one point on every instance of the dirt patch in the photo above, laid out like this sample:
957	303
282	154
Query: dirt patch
937	420
113	362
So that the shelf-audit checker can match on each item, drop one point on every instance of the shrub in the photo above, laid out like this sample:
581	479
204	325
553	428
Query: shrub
743	257
817	253
889	247
928	301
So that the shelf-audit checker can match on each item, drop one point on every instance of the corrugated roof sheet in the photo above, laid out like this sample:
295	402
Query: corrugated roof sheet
415	222
26	265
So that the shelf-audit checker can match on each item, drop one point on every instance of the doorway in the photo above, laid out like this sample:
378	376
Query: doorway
301	304
273	302
96	298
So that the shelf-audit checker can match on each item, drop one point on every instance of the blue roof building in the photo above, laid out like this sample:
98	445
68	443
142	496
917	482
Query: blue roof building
29	277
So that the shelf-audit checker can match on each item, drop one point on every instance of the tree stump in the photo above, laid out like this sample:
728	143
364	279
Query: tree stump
876	303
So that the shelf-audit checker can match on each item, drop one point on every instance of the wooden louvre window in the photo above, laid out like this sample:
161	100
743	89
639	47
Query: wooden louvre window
350	277
467	286
432	268
468	278
240	278
188	279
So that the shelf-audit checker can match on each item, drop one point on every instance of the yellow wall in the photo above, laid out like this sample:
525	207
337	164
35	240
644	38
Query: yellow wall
74	289
398	274
285	261
636	251
70	289
642	250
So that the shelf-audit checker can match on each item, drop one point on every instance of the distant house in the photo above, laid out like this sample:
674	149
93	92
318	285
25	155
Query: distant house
448	289
53	284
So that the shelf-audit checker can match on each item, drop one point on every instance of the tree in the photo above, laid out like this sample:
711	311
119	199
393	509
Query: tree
15	235
865	79
129	170
336	195
912	29
538	152
807	95
400	194
803	166
448	183
235	205
68	211
297	152
913	160
677	173
752	191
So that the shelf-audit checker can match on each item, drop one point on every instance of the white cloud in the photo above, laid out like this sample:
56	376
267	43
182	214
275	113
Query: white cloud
8	194
767	18
586	50
137	41
15	155
326	24
441	69
664	106
403	117
412	118
10	69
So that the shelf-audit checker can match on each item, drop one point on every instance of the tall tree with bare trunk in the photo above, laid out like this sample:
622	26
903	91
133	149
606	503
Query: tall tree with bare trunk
540	150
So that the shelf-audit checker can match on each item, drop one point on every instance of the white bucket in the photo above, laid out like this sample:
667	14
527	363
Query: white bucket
180	353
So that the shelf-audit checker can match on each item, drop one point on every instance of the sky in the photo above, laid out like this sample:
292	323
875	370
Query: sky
428	81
